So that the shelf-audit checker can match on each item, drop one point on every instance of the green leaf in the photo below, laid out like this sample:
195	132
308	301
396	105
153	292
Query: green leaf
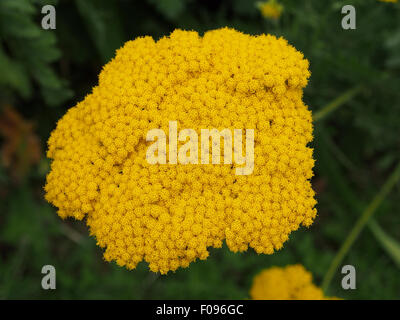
56	96
390	245
28	52
14	75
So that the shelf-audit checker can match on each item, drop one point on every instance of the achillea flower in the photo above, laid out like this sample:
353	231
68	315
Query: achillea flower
288	283
270	9
170	214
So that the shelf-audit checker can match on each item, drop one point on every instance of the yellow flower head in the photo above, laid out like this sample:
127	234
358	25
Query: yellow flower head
288	283
270	9
170	214
393	1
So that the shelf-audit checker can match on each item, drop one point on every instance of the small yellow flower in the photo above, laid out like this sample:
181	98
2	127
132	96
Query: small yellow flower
270	9
393	1
288	283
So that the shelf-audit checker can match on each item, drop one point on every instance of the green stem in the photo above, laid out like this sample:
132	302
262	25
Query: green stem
340	100
360	224
390	245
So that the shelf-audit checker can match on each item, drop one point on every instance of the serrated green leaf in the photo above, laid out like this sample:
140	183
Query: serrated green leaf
30	50
56	96
44	49
18	25
14	75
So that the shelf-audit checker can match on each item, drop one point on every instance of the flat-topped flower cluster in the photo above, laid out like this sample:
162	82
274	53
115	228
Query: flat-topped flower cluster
170	214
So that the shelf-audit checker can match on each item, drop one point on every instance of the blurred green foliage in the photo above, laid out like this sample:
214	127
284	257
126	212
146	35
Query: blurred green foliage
27	52
45	72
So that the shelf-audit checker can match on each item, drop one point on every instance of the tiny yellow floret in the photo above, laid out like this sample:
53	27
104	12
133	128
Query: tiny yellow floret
170	214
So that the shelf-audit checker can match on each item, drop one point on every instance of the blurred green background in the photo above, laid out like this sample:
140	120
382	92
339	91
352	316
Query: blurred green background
355	73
